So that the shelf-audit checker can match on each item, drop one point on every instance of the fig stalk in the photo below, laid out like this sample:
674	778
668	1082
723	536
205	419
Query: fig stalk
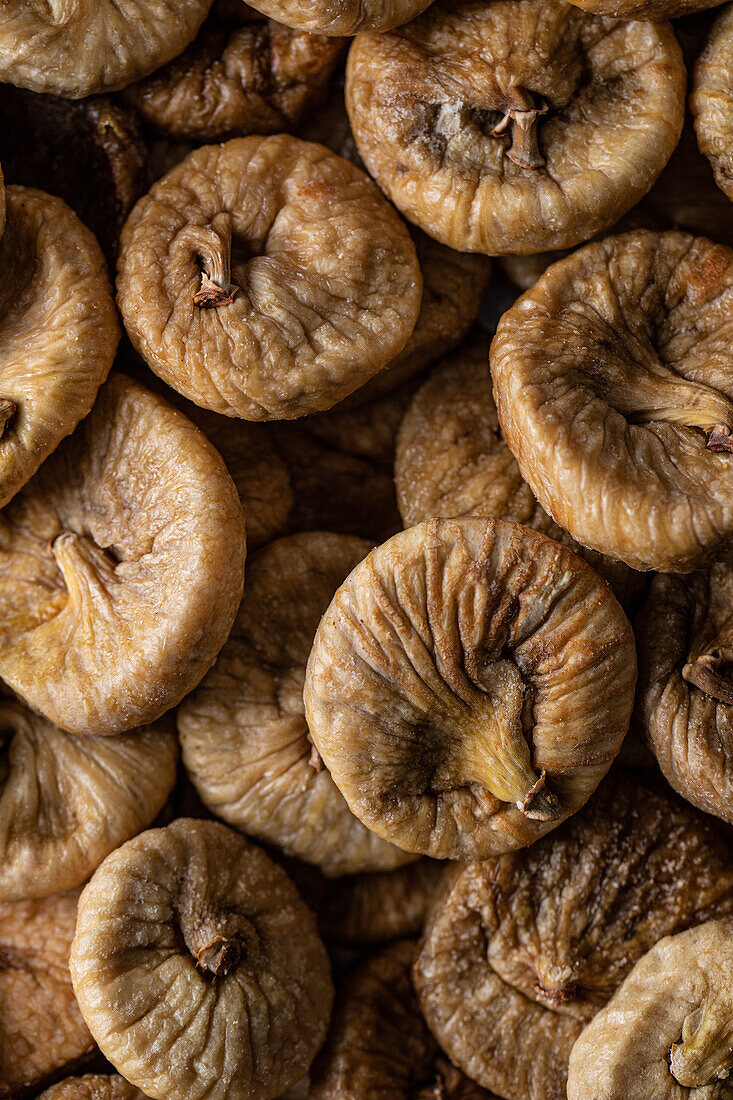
704	673
212	246
521	121
705	1054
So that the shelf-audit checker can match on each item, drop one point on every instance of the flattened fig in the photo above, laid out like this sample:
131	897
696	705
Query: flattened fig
614	391
245	740
341	16
711	101
469	686
198	968
94	1086
121	567
525	949
267	278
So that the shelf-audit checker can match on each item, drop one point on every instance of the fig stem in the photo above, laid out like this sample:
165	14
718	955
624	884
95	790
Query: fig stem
8	410
704	1055
703	674
315	760
555	997
521	119
540	804
212	246
720	439
219	956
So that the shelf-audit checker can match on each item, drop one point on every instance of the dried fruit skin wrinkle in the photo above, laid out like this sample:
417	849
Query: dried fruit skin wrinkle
667	1031
58	330
198	968
515	127
614	391
469	686
243	732
645	9
121	567
267	278
526	948
341	16
93	1086
74	48
710	101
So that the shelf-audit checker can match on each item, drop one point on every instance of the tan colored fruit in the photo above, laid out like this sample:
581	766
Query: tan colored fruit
613	387
469	686
525	949
93	1086
666	1033
121	567
645	9
341	16
198	968
711	101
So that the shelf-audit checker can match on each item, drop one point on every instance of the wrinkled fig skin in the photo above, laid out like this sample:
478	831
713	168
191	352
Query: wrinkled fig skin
121	567
74	48
452	460
66	802
683	708
469	686
243	75
41	1029
378	1044
486	124
711	101
243	732
198	968
58	331
613	385
93	1086
645	9
667	1031
267	278
341	16
526	948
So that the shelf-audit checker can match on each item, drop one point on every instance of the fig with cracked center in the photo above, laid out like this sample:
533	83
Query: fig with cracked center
341	16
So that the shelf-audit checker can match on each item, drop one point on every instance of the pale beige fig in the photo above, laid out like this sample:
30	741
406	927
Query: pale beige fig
469	686
245	740
267	278
612	383
41	1028
244	74
525	949
121	567
341	16
667	1032
379	1045
712	101
486	124
452	460
74	48
58	330
198	968
66	802
93	1086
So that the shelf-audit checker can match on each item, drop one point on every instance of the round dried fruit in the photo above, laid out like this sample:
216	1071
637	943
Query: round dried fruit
469	686
267	278
712	101
341	16
198	968
667	1031
41	1028
613	385
486	123
121	567
534	943
77	47
245	741
453	461
93	1087
66	802
58	330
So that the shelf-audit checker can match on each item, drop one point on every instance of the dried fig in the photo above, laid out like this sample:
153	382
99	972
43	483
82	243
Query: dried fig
525	949
66	802
121	567
645	9
666	1032
712	101
267	278
58	330
95	1086
245	740
41	1029
341	16
76	47
613	387
486	124
198	968
453	461
469	686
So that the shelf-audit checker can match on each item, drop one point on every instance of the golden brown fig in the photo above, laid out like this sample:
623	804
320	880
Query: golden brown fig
711	101
243	75
58	331
198	968
121	567
267	278
41	1028
341	16
66	802
469	686
94	1086
452	460
526	948
645	9
486	124
666	1033
613	387
76	47
245	740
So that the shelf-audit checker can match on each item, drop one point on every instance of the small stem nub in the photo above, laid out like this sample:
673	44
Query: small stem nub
211	296
218	957
720	438
540	804
520	118
704	673
553	998
8	410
